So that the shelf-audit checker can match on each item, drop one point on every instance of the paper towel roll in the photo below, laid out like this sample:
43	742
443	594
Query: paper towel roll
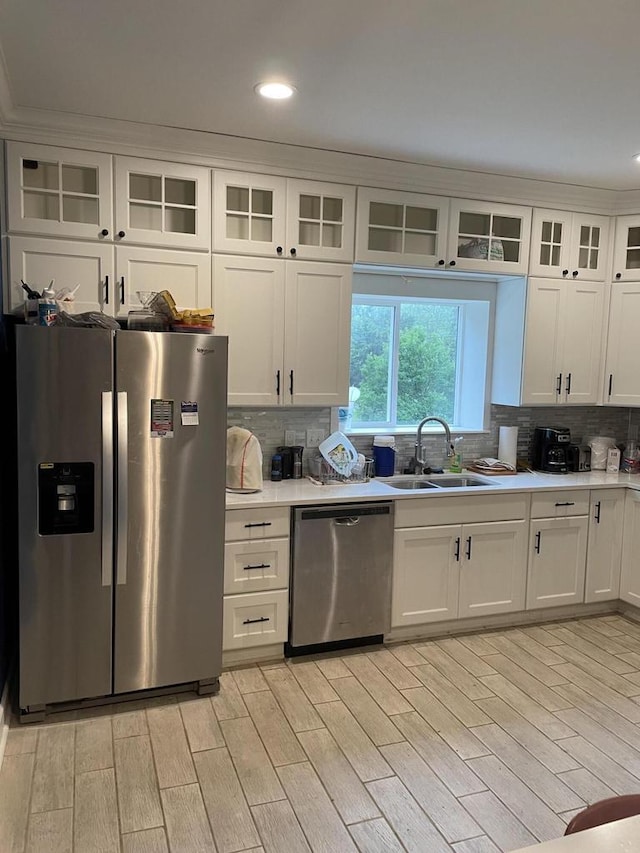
508	444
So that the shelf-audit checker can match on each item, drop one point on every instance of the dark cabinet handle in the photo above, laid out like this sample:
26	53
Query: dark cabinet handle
104	232
596	517
457	551
259	524
122	290
537	545
568	384
292	252
252	621
452	263
565	503
291	382
441	262
575	273
565	272
257	566
106	290
122	234
277	383
618	275
468	547
559	385
610	383
279	250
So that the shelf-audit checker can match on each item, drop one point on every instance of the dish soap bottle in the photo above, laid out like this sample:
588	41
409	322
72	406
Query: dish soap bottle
456	460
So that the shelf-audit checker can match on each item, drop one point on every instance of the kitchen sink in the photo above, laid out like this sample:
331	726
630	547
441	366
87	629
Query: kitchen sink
435	481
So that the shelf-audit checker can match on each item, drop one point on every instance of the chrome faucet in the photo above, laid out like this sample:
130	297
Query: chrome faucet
420	460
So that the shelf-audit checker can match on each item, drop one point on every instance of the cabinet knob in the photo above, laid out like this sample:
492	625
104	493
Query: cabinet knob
565	272
292	252
618	275
122	234
441	262
452	263
104	232
279	250
575	273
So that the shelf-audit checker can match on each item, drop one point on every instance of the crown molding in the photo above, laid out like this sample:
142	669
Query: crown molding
217	150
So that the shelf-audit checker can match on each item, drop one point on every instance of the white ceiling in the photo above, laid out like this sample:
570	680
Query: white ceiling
542	88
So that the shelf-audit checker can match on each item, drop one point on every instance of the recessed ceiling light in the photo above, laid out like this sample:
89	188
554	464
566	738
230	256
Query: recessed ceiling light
636	157
275	91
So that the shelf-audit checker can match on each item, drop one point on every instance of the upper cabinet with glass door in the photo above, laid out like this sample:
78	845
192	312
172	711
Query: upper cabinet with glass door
164	204
266	215
488	237
59	191
626	249
401	228
569	245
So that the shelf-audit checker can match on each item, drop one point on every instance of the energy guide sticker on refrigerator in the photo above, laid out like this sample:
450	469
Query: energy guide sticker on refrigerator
121	536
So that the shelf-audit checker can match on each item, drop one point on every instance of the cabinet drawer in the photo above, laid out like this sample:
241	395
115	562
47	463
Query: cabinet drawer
256	566
558	504
259	523
255	619
463	509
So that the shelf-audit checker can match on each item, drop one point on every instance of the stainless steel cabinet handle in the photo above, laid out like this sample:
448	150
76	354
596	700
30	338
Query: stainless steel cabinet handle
123	487
107	488
537	545
350	521
257	566
597	512
261	619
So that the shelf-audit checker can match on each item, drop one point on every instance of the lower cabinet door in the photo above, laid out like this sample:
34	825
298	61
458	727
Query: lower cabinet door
492	568
256	566
557	560
255	619
630	574
425	575
604	552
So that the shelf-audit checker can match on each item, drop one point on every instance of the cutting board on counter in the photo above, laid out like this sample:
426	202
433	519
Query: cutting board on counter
489	472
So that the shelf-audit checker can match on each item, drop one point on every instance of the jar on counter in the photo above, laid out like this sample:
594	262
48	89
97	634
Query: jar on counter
384	455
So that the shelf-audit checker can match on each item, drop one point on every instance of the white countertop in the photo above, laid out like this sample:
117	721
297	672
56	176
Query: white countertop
295	492
621	836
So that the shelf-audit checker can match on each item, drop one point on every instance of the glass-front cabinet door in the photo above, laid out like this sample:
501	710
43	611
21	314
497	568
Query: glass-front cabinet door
626	250
569	245
589	247
489	237
59	191
249	213
401	228
162	203
320	221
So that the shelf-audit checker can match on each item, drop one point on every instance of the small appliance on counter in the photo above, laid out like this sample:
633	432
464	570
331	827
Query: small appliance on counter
244	461
291	461
550	450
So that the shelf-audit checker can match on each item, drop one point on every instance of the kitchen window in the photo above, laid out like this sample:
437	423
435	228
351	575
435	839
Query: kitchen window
419	346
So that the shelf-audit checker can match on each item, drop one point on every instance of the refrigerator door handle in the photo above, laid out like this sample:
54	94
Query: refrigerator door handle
107	488
123	490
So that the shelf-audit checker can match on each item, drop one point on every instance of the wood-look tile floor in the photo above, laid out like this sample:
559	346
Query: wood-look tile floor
477	744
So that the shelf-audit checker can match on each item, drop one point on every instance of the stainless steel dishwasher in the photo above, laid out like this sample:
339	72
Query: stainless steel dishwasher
341	575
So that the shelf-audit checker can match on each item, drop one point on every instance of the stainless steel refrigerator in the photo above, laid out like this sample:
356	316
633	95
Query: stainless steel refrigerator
121	470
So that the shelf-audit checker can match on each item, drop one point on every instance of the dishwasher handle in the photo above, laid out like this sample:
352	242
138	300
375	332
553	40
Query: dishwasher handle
348	512
349	521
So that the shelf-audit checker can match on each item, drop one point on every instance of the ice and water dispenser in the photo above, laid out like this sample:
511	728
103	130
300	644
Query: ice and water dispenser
65	498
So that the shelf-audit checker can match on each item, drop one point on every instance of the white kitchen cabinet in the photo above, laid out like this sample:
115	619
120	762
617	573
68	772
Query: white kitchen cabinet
289	330
630	571
282	217
59	192
604	550
187	275
557	561
569	245
255	619
87	266
426	574
255	566
492	568
401	228
626	248
563	342
622	387
161	203
488	237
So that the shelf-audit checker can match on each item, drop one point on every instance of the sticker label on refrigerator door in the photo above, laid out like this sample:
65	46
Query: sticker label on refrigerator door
189	413
161	419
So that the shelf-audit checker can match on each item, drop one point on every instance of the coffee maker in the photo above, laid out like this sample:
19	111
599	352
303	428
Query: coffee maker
550	451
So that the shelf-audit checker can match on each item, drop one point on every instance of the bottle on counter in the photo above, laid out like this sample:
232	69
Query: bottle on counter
47	307
276	468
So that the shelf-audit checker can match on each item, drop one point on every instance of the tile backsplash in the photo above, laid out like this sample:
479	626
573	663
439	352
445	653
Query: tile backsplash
269	426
